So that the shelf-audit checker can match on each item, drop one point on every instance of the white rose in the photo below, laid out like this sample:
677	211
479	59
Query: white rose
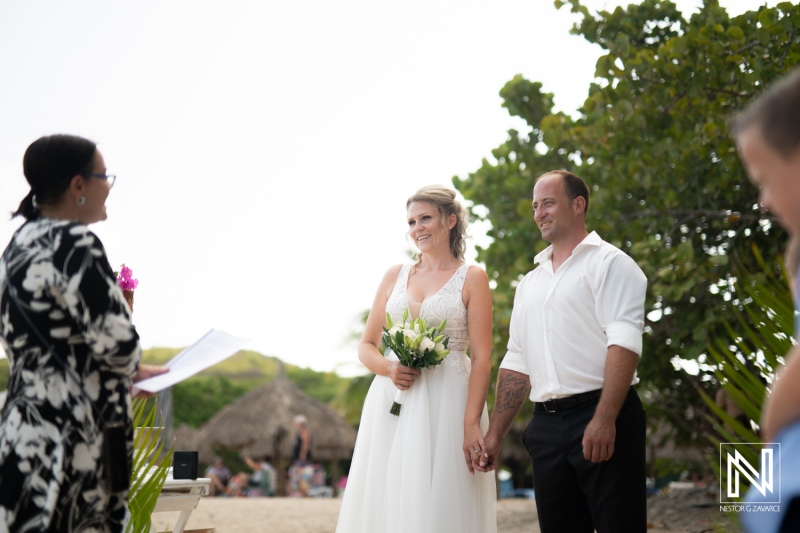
426	344
393	330
410	333
439	348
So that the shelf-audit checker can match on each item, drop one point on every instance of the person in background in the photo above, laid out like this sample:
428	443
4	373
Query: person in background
66	437
219	475
301	453
767	134
262	481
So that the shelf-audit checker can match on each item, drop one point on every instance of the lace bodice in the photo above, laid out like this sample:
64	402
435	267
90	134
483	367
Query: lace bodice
447	304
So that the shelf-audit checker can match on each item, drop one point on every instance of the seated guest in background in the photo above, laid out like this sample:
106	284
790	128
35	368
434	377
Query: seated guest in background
219	475
262	481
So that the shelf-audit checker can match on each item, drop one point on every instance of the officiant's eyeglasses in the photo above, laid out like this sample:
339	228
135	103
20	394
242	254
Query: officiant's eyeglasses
110	178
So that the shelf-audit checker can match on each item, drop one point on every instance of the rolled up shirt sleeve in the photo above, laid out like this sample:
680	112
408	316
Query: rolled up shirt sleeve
626	336
515	358
620	303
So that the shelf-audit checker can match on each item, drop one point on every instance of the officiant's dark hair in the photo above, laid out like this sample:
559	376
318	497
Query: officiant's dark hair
445	200
49	165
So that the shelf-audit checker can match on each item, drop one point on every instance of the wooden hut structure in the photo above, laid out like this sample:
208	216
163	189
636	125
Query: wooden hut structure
260	424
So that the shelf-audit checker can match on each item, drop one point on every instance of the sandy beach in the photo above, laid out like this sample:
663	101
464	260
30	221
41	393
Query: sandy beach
309	515
318	515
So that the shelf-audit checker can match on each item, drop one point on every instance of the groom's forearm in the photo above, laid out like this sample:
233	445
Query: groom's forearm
512	389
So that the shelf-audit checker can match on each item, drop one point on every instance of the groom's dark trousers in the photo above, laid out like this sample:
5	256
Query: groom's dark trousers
575	495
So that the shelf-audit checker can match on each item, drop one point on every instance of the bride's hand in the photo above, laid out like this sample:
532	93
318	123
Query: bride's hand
474	446
402	376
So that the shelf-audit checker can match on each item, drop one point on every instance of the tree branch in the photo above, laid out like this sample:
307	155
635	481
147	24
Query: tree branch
688	214
786	50
746	48
727	91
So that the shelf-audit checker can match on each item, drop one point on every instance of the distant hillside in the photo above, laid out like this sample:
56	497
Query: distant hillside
200	397
244	364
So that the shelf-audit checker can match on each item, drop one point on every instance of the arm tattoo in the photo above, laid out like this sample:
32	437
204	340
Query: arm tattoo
511	392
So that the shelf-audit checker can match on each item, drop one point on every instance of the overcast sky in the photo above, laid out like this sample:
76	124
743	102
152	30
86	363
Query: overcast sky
265	149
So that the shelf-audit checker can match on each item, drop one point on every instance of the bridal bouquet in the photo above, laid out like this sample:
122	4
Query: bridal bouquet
416	345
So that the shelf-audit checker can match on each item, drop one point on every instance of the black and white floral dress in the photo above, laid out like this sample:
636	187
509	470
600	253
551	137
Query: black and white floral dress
72	350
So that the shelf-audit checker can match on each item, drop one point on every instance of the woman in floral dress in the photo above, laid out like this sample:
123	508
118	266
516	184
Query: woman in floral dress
72	349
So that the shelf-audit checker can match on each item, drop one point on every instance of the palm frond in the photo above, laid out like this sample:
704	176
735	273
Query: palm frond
757	337
149	470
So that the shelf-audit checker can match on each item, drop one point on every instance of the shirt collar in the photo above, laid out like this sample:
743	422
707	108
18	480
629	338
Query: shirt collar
593	239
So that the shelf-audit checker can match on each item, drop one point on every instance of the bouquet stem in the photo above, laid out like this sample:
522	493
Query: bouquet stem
398	402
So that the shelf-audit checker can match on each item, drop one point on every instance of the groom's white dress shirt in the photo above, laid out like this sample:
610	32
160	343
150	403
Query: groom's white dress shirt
563	322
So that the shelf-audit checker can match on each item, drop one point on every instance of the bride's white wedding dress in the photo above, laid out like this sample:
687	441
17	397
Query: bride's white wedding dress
408	473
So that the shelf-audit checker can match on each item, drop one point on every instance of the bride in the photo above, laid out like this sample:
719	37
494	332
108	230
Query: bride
414	472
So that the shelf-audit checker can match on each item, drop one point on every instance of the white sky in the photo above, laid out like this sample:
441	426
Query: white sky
265	149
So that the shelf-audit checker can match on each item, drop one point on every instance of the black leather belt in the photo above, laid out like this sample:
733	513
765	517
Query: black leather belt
570	402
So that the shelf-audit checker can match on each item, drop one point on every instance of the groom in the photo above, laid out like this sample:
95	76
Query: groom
575	339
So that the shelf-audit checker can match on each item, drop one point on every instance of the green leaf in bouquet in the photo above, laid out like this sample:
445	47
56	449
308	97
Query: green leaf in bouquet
405	315
389	322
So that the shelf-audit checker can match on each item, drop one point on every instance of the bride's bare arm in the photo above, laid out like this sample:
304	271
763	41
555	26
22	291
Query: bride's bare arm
368	351
478	300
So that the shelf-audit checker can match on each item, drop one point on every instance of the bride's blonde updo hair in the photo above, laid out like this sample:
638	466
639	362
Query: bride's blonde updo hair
445	200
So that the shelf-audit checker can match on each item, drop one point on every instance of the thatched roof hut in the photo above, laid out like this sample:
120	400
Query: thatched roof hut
185	438
260	424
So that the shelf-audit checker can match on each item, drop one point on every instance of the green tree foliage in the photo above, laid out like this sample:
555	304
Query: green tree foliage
667	186
197	399
349	401
749	352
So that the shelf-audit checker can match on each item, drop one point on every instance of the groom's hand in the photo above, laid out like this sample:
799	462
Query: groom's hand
598	440
488	460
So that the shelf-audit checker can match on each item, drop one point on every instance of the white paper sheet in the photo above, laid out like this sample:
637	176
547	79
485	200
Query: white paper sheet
210	349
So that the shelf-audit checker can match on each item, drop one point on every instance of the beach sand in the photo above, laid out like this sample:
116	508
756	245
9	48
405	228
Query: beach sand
309	515
318	515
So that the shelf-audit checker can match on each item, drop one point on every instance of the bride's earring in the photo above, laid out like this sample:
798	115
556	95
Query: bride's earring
80	200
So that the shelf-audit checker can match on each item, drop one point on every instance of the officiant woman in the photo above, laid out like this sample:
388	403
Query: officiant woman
65	429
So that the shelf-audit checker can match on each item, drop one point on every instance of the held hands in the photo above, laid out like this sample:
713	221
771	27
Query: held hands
402	376
147	371
473	445
598	440
488	459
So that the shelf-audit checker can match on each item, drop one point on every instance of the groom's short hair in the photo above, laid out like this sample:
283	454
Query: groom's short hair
574	186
